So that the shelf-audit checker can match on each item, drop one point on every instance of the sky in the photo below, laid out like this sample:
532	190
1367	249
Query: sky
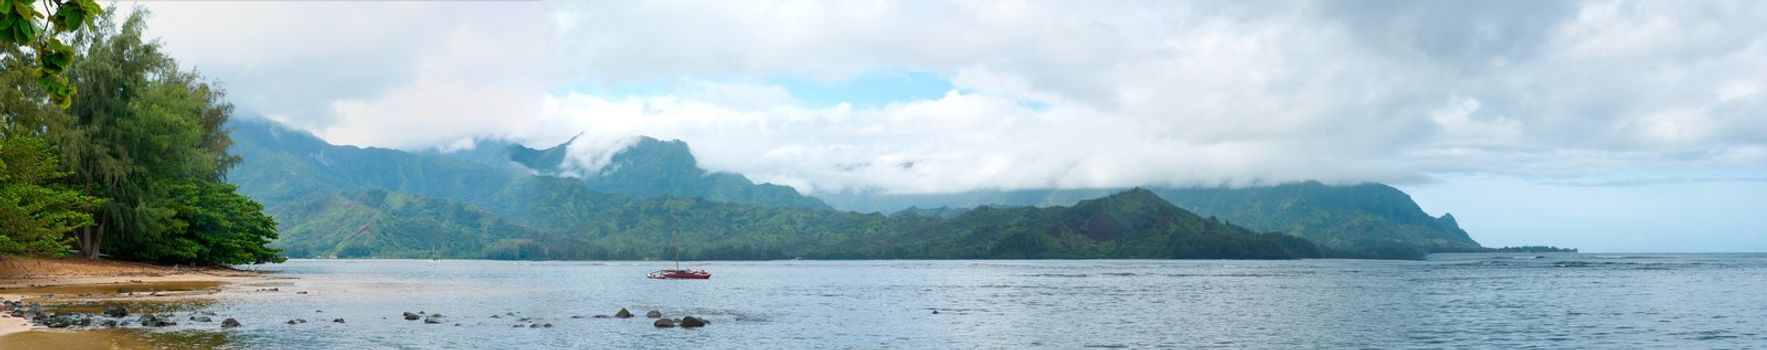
1604	125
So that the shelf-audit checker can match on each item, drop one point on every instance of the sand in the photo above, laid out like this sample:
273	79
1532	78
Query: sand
74	279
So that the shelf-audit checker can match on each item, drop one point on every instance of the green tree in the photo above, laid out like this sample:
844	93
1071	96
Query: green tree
149	137
21	24
36	211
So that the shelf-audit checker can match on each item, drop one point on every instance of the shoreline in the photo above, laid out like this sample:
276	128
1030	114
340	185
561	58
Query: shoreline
22	278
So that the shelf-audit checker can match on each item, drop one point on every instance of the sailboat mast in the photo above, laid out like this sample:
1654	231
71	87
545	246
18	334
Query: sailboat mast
675	242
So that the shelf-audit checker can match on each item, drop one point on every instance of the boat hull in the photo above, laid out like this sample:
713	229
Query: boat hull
680	275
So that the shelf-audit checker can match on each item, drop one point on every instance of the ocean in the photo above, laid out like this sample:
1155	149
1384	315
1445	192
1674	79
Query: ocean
1512	300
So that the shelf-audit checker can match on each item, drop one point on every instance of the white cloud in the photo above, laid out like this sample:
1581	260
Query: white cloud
1047	94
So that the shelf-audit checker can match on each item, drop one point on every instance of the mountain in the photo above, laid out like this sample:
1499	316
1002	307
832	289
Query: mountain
1132	224
1366	220
647	168
343	201
621	212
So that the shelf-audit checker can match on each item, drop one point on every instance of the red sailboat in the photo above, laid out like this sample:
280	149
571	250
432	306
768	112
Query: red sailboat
678	273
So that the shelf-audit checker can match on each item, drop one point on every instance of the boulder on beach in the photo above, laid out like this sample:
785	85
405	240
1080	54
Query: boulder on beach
229	323
664	323
623	313
654	314
116	311
691	321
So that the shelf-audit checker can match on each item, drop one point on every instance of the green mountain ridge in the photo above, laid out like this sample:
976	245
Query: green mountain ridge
1128	225
1351	221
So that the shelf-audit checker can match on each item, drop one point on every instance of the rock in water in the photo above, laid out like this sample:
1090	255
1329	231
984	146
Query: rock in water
229	323
654	314
156	321
691	321
623	313
116	311
664	323
410	316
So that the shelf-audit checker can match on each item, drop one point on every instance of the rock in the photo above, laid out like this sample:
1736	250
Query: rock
545	325
516	326
204	319
116	311
664	323
654	314
229	323
576	316
623	313
410	316
58	321
691	321
297	321
533	325
337	320
108	323
935	312
156	321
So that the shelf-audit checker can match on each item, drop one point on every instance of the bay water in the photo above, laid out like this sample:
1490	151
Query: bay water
1518	300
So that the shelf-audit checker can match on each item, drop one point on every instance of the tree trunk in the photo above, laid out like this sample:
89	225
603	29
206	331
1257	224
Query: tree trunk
97	241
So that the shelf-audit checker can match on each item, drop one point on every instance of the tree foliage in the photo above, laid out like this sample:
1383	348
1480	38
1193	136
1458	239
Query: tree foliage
140	159
21	24
36	209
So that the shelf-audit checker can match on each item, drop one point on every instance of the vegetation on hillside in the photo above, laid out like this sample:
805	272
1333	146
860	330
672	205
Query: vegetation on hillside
1134	224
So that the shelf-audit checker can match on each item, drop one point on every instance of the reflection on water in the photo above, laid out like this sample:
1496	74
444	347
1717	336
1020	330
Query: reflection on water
1456	300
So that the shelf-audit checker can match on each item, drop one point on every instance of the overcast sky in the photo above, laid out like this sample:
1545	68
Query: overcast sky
1612	126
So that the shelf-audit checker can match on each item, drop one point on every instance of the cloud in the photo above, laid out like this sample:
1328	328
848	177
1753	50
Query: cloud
1044	94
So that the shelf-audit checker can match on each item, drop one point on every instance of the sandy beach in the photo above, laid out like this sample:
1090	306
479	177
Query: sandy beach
98	281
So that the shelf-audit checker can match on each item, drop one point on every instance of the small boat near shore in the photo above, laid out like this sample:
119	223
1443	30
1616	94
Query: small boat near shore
678	273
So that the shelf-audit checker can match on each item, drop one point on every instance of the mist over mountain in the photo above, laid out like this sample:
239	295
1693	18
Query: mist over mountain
647	167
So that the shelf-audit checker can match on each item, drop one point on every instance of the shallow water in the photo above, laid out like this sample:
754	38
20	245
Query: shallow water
1453	300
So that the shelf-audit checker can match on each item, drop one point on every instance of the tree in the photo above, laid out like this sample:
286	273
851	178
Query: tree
37	205
36	211
149	137
19	26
